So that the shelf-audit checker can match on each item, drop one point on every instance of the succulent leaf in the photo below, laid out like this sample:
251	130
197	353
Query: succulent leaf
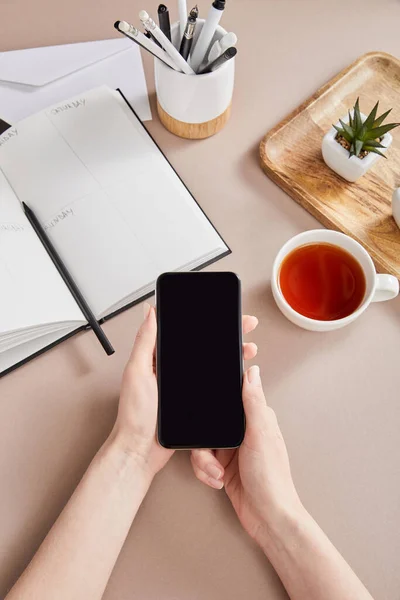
380	119
338	129
342	132
374	144
350	120
370	120
378	132
375	150
347	129
358	146
357	117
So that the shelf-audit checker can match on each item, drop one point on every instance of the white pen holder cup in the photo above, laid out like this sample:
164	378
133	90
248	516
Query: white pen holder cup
194	106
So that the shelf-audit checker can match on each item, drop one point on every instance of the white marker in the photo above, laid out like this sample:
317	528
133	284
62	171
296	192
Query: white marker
139	38
182	8
179	61
227	41
207	33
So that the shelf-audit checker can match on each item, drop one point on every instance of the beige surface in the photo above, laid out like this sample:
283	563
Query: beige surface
336	395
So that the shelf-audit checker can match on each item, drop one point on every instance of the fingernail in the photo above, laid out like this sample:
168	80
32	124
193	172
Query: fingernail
216	483
214	472
146	310
253	375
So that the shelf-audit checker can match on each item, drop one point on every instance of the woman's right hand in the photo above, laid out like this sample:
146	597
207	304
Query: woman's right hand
257	475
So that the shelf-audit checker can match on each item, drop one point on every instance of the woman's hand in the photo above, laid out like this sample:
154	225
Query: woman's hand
135	428
257	475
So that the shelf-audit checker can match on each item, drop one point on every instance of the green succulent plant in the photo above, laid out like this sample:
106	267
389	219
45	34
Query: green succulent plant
365	136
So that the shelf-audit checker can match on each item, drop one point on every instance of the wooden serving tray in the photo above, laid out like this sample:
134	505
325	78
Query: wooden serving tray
291	156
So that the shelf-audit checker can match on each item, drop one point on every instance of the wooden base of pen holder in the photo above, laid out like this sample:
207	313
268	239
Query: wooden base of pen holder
193	131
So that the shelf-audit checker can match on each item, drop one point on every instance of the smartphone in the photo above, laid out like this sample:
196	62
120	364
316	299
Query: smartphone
199	360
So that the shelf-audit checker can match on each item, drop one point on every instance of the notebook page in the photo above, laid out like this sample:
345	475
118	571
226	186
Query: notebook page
140	183
90	235
11	357
113	207
32	292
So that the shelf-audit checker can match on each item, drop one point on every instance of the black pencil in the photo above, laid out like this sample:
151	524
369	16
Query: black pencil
68	280
4	126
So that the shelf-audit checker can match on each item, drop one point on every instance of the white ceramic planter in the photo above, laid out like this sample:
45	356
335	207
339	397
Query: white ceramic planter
337	158
396	206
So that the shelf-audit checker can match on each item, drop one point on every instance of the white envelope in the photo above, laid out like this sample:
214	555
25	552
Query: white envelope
33	79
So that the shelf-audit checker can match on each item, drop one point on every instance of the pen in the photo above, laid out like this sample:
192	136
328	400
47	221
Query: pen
218	62
207	33
173	53
182	9
163	19
187	39
68	280
227	41
142	40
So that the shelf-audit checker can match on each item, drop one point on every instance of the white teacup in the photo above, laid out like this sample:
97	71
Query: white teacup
378	287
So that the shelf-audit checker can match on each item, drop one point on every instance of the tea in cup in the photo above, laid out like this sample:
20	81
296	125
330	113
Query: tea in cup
323	280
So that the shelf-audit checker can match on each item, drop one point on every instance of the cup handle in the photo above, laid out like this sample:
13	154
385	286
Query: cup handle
387	288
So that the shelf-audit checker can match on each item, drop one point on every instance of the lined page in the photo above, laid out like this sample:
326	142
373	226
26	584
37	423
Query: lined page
32	292
113	207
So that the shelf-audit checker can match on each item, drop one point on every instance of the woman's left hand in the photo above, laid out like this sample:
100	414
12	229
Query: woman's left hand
136	423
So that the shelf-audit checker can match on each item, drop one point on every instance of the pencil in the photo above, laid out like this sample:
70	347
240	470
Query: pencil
68	280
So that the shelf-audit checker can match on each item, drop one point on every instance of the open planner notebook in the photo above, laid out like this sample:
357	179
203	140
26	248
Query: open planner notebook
111	204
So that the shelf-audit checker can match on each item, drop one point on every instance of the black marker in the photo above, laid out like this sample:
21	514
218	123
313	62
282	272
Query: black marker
188	34
218	62
163	19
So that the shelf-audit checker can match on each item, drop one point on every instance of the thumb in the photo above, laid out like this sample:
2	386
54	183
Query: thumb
143	348
254	403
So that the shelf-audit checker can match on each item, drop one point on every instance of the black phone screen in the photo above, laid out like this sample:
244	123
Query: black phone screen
199	360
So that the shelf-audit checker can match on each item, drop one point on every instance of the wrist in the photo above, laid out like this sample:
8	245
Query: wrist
281	527
126	462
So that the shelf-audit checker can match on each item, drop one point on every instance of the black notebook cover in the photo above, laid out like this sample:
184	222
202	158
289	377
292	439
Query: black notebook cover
130	304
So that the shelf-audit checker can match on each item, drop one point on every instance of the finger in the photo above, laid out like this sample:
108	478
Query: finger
206	461
249	323
254	403
143	349
225	457
207	468
216	484
249	350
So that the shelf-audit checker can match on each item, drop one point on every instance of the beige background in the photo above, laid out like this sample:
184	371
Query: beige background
336	394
